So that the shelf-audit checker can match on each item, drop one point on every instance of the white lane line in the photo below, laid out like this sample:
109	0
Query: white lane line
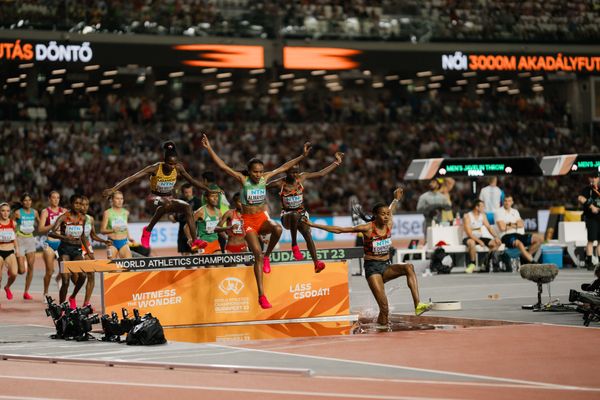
178	356
30	398
441	372
451	383
227	389
76	353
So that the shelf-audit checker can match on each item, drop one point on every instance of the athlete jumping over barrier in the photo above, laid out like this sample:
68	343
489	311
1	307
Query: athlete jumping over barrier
293	214
254	198
163	177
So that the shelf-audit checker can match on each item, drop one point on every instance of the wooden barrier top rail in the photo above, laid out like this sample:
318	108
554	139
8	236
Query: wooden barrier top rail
202	260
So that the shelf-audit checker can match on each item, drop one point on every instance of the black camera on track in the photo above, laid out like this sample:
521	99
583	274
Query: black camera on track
71	324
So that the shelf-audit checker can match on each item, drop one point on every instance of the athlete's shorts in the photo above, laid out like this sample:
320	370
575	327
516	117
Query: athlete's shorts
509	240
485	241
26	245
71	250
154	200
119	243
236	248
253	222
212	247
373	267
4	254
303	214
53	244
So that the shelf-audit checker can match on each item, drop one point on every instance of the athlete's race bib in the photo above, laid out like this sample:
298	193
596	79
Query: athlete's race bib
256	196
27	226
211	225
292	202
237	227
165	186
53	219
382	246
119	224
7	235
74	231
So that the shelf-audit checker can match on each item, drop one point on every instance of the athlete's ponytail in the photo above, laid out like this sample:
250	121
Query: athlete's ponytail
169	149
358	210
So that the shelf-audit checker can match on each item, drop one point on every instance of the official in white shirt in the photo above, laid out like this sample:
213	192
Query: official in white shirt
512	230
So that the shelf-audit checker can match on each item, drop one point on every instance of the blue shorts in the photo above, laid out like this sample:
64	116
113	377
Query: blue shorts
53	244
119	243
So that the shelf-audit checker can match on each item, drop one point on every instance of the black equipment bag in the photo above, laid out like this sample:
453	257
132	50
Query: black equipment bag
148	332
441	262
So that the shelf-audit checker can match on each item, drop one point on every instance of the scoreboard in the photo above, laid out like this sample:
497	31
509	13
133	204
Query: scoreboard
424	169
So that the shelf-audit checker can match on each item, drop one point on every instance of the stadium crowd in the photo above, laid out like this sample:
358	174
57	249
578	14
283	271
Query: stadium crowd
435	20
114	136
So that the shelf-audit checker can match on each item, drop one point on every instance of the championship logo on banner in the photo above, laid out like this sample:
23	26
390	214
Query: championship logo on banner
215	295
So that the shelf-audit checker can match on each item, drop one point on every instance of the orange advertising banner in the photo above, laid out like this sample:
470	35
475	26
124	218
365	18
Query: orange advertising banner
217	295
234	333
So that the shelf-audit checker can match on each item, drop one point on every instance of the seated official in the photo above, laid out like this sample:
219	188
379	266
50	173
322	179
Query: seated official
512	231
478	231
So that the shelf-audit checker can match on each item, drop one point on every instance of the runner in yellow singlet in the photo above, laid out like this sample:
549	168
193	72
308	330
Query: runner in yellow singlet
163	177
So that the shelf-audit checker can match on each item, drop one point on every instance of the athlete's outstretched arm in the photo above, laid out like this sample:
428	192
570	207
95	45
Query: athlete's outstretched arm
275	183
338	160
220	163
221	226
189	178
398	194
340	229
289	164
140	174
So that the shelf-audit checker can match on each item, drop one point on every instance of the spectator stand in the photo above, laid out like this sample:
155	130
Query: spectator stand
426	169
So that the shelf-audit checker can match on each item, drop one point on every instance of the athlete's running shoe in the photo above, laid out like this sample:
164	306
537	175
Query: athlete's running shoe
266	265
72	303
145	240
319	266
198	244
264	303
422	308
27	296
297	253
9	294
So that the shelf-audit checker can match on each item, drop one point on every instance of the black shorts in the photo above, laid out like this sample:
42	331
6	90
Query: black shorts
592	224
509	240
485	241
71	250
373	267
6	253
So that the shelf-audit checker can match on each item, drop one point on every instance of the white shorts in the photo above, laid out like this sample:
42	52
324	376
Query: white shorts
26	245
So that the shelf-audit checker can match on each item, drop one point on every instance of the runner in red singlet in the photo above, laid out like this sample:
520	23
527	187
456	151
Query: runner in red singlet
293	214
378	270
